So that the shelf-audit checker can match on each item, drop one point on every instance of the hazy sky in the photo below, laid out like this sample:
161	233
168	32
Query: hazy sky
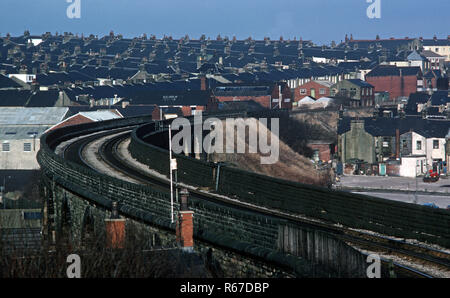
317	20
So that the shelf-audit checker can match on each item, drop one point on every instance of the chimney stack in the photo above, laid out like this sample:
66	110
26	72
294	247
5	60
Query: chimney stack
185	224
115	229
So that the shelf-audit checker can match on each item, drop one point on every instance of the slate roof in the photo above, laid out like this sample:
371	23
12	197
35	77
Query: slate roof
415	56
21	132
414	100
43	98
431	54
100	115
437	42
387	126
6	82
13	97
360	83
171	98
31	116
243	90
439	98
392	70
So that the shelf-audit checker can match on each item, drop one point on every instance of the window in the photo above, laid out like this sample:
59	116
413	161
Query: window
435	144
5	147
27	147
302	91
322	91
419	145
404	144
316	155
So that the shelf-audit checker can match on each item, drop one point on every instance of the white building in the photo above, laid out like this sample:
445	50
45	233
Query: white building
20	132
420	154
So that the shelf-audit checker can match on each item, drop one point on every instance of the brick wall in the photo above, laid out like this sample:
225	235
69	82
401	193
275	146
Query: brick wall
324	151
262	100
308	86
396	86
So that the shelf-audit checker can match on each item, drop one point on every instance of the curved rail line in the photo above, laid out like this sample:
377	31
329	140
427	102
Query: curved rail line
108	153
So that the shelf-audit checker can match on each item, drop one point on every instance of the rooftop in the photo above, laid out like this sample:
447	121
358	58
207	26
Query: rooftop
31	116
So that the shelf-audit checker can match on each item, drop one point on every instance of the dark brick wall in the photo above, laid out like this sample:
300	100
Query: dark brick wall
396	86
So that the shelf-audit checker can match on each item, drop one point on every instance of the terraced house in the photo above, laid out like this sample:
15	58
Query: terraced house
413	144
360	92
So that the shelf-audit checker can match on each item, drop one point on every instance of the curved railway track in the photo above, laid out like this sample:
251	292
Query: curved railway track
108	152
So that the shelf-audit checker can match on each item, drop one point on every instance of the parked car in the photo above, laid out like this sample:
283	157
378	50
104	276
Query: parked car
431	176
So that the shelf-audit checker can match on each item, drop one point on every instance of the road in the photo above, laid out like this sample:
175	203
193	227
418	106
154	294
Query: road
396	183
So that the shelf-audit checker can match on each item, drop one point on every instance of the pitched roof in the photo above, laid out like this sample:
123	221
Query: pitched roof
13	97
6	82
439	98
100	115
360	83
387	126
392	70
31	116
171	98
243	90
431	54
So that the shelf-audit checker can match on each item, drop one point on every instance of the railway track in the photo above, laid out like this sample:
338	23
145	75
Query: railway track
418	254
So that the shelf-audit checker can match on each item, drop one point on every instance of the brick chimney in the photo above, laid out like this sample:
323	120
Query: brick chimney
203	83
185	224
115	229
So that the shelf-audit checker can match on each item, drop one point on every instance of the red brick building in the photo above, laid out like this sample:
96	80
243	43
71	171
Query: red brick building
398	81
323	150
315	89
87	117
267	95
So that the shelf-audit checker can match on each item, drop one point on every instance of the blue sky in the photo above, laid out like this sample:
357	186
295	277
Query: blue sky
319	20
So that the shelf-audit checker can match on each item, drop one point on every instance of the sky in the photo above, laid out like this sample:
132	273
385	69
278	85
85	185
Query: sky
318	20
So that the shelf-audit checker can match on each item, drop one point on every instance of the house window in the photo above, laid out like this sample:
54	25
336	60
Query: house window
6	147
404	144
302	91
435	144
419	145
27	147
316	155
322	91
